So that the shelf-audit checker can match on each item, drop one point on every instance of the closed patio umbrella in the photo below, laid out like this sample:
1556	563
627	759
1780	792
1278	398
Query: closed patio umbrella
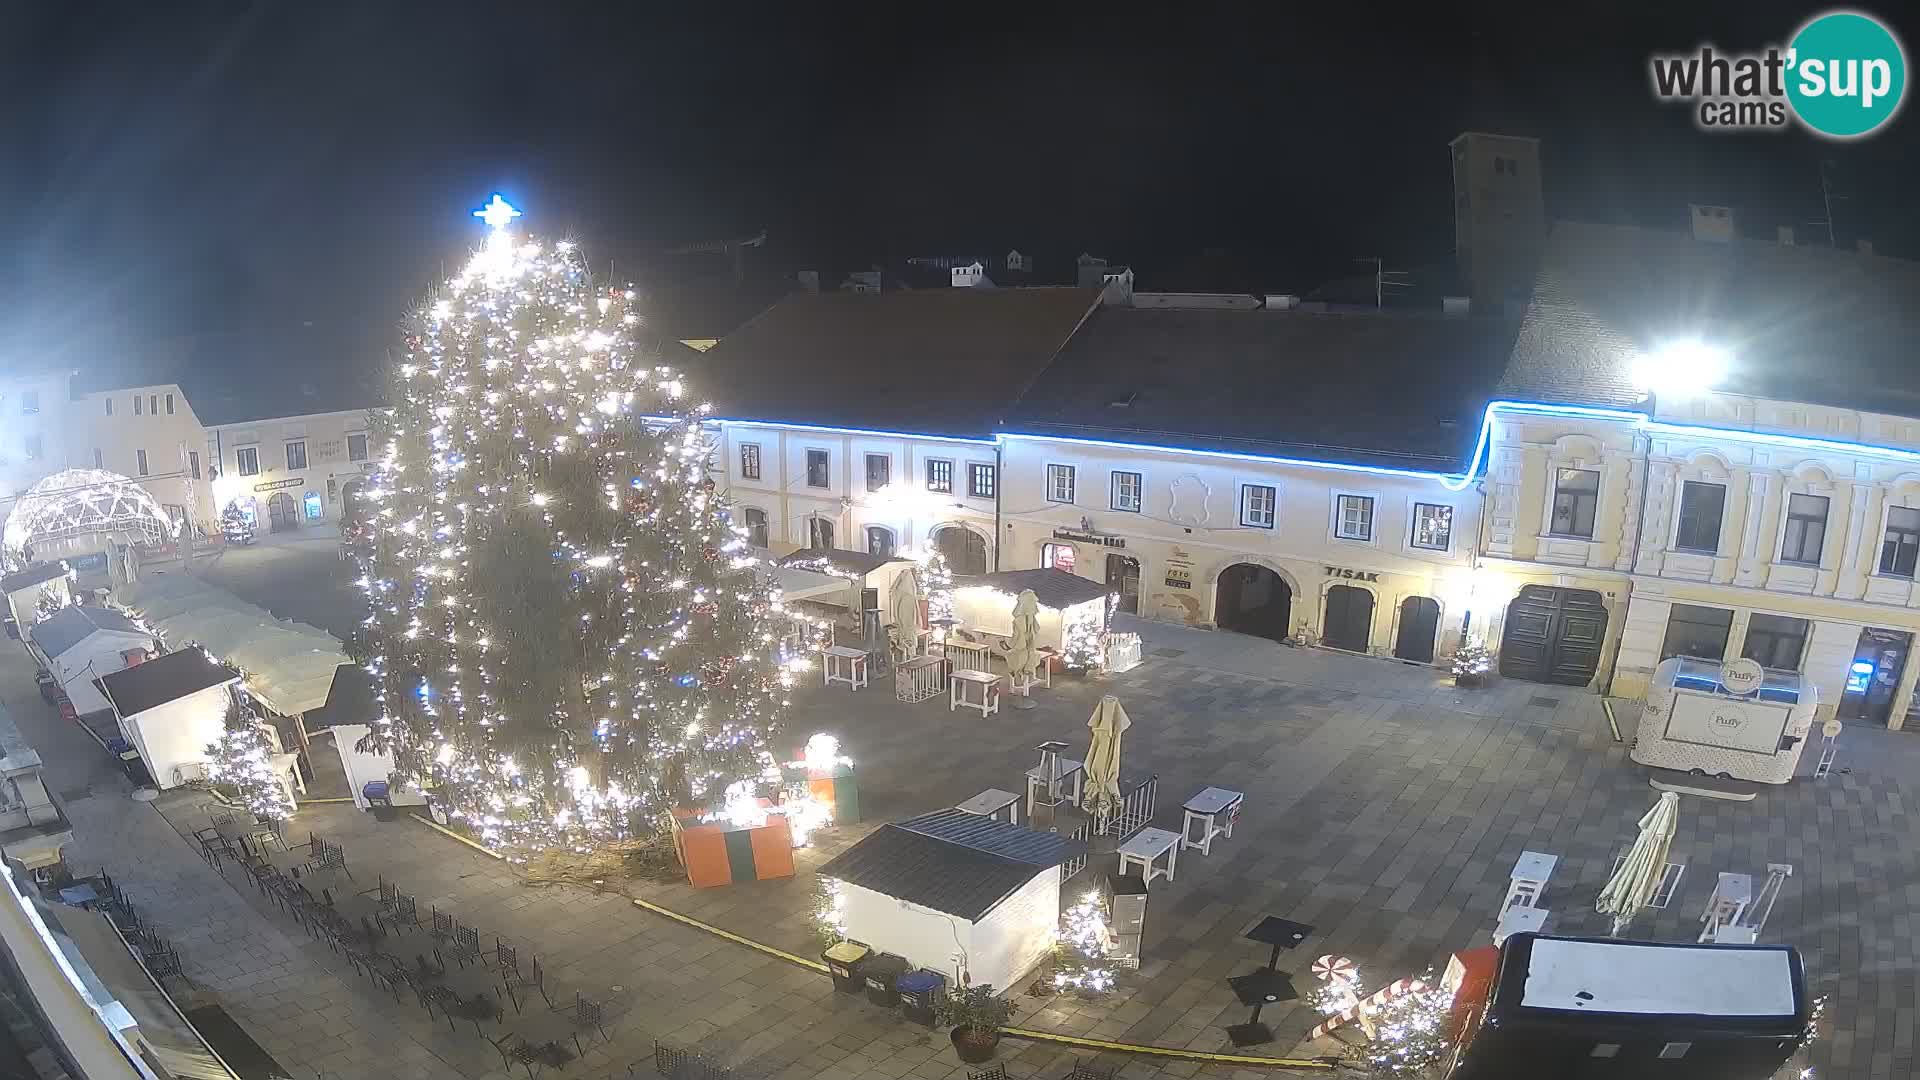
1108	722
903	604
1633	885
1021	649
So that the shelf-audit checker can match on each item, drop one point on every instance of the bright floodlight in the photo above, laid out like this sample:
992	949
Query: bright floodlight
1680	368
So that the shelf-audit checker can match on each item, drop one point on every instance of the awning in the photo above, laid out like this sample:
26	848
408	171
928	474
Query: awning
798	584
289	665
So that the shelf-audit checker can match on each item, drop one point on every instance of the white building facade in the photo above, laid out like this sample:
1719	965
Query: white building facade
291	473
149	434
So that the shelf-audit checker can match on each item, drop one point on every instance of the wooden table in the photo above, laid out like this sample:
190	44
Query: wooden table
957	695
1531	872
845	665
1070	771
1205	808
966	657
1145	848
990	802
919	679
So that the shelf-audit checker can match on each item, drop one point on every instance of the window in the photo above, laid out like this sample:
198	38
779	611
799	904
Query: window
247	459
99	459
29	402
136	405
1776	641
817	470
153	404
1057	557
356	448
109	402
1697	631
749	461
34	447
169	404
1806	529
1576	493
939	475
140	461
819	534
756	522
1432	526
1899	550
1354	521
880	541
1256	506
193	464
1700	511
1125	494
312	505
296	455
879	471
1060	483
979	480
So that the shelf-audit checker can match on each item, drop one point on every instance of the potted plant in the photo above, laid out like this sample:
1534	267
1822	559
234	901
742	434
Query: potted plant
977	1014
1472	663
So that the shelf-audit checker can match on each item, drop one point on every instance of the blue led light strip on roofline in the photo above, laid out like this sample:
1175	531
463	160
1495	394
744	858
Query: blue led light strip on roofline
826	429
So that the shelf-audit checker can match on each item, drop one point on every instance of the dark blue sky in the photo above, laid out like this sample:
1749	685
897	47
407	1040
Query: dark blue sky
242	188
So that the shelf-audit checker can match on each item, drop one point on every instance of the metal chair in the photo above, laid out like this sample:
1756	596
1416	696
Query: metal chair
536	978
442	929
1084	1071
404	914
587	1013
466	945
997	1072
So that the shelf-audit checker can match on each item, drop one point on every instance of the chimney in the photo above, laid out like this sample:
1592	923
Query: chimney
1786	236
1456	305
1282	302
1118	287
809	280
972	275
1864	246
1712	224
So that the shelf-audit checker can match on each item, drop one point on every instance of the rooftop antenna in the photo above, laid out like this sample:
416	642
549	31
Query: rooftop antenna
1384	279
1827	199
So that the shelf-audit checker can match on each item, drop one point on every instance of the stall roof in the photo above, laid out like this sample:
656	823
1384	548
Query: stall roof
33	575
1056	589
73	624
798	584
289	665
951	861
171	677
846	562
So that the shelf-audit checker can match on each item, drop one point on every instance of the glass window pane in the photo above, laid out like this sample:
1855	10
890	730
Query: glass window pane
1697	631
1700	511
1776	641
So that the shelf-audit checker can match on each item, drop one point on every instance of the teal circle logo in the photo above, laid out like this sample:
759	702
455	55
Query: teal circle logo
1847	74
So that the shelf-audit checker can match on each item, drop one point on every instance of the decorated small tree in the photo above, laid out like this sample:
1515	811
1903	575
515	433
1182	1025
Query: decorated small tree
1081	948
1410	1036
567	636
242	760
936	583
1472	663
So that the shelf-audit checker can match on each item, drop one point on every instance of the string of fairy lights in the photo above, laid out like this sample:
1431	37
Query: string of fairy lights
566	632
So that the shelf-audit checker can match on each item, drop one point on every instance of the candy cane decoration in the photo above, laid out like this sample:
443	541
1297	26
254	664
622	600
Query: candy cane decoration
1332	969
1362	1010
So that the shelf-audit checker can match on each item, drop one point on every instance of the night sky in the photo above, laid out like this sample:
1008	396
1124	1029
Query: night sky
235	189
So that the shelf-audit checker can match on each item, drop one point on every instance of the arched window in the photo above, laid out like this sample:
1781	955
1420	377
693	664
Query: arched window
755	520
966	550
880	541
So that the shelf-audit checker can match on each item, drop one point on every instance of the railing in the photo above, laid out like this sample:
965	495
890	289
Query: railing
1135	813
1072	867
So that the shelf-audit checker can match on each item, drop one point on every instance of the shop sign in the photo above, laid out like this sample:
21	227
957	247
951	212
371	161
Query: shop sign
1178	578
1740	677
1089	538
1353	575
276	485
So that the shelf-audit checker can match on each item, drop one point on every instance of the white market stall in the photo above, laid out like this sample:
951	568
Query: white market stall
1073	610
170	709
855	569
81	643
24	588
363	768
971	897
1729	720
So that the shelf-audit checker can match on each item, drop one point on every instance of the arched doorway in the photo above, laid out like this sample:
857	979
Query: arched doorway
966	550
281	512
1553	635
1123	577
350	500
1419	619
1250	599
1349	622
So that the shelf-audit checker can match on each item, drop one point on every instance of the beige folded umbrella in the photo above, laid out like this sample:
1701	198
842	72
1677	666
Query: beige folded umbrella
903	604
1021	653
1108	722
1633	885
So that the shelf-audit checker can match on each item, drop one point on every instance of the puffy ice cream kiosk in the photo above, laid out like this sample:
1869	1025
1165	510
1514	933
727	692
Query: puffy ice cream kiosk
1733	720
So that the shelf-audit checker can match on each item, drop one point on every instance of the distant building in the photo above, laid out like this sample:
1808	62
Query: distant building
291	472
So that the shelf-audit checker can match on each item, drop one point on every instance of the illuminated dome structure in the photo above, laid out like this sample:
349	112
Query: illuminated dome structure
83	502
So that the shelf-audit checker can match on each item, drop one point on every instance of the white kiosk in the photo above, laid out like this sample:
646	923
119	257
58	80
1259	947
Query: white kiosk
1733	720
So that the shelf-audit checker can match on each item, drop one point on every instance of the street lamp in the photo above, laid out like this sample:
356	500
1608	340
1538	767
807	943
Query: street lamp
1681	368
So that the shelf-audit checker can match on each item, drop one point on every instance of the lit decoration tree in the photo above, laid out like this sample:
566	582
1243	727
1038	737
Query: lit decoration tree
1081	948
1410	1035
936	583
567	637
1472	662
243	758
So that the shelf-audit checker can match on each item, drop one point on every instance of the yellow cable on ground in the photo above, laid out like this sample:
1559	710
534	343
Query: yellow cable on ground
314	802
443	830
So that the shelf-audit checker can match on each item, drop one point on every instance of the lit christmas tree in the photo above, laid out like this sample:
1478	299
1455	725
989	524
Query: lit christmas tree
936	582
567	636
1080	950
243	759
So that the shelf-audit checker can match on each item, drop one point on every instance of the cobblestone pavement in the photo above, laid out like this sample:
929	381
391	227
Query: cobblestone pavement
1384	807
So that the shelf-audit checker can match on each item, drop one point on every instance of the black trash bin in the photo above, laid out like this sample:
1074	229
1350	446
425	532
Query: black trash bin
919	990
844	960
882	971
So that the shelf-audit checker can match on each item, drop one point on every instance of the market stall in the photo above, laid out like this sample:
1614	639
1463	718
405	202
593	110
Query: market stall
79	644
171	709
363	768
1072	620
1732	720
969	896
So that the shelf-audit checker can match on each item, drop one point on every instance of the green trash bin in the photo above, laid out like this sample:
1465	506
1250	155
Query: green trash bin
844	961
883	971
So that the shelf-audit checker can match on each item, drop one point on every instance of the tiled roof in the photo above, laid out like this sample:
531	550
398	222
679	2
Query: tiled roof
951	861
1401	391
73	624
33	575
1053	588
1807	324
167	678
933	361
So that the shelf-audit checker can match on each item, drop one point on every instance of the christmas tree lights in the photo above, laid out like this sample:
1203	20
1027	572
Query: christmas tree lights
243	758
1409	1034
566	635
1472	662
1081	948
936	584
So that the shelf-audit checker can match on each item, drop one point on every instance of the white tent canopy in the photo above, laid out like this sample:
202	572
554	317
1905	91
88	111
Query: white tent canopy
798	584
289	665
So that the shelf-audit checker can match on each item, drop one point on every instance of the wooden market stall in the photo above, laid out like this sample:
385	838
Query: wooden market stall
1073	610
